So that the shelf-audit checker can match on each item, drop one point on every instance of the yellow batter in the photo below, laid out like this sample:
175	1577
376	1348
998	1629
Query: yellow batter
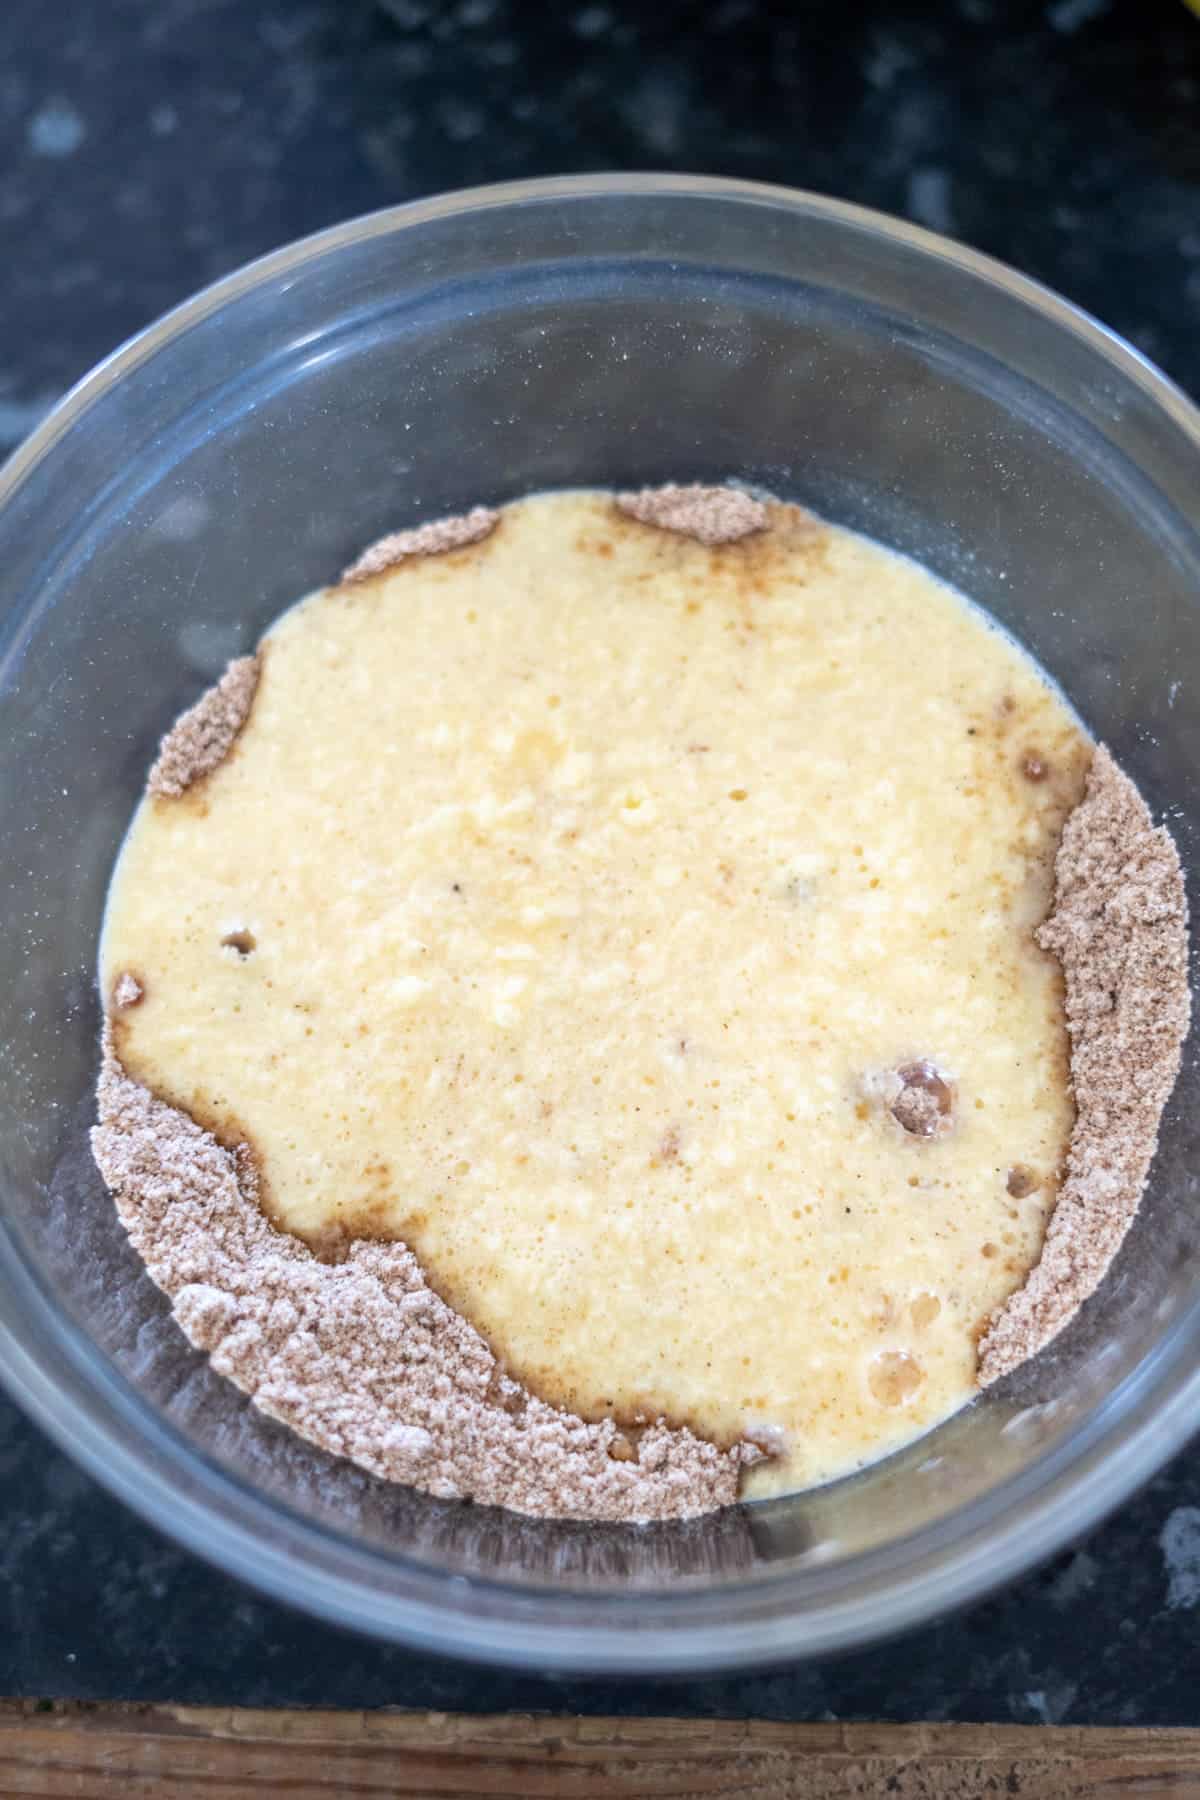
566	908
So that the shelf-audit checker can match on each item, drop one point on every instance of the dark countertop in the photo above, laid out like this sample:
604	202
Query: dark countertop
150	146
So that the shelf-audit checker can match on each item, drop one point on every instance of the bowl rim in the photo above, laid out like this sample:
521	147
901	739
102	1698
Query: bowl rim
1139	368
221	1518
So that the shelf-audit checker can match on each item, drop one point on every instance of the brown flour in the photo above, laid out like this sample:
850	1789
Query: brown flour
204	735
1119	928
714	515
433	539
924	1106
361	1357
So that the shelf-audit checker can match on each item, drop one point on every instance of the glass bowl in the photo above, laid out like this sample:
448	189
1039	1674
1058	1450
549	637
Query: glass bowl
473	348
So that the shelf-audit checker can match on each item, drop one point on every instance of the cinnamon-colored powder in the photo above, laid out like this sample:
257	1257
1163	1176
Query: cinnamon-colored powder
924	1105
202	737
127	991
1119	929
714	515
433	539
361	1357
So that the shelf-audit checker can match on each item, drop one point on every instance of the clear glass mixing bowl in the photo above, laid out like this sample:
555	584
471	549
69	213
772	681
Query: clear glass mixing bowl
472	348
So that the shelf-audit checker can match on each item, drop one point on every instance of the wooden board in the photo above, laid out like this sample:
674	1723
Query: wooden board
190	1753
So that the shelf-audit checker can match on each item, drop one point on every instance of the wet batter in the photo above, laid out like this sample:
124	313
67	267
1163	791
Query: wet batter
642	931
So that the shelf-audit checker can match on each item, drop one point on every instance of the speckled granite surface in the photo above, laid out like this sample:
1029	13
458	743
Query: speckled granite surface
147	146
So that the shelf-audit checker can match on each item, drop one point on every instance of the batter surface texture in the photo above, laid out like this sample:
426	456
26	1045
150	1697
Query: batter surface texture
641	931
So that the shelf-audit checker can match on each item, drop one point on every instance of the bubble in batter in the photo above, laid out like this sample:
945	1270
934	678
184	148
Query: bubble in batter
925	1104
895	1377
